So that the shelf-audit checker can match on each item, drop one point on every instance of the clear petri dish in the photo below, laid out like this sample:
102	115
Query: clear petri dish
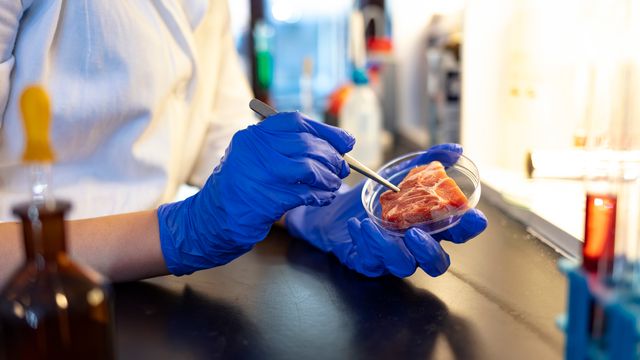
458	167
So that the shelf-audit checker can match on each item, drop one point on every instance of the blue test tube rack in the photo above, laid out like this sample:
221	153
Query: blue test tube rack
621	338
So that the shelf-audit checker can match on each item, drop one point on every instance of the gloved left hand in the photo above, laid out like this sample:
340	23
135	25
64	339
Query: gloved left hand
344	229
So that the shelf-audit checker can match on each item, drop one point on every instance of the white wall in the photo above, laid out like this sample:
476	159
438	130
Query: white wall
519	79
527	70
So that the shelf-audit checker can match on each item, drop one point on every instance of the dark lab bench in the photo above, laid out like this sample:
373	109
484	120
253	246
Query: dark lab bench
287	300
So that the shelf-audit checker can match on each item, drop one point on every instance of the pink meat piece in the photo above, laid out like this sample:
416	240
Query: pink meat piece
426	193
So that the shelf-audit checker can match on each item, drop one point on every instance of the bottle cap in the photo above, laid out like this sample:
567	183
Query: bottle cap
379	45
359	77
36	116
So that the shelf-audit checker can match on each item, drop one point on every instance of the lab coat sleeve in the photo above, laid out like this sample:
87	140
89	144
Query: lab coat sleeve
230	111
10	13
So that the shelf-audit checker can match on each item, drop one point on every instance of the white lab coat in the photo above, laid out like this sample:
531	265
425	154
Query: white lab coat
145	96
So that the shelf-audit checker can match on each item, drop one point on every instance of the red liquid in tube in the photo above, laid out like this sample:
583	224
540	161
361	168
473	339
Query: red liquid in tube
598	249
599	234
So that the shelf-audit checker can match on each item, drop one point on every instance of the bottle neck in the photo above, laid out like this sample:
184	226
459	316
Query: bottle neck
43	230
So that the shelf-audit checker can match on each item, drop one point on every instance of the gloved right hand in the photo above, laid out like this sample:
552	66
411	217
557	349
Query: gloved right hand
269	168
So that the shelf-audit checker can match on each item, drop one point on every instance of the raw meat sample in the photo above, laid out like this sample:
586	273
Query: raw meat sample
426	193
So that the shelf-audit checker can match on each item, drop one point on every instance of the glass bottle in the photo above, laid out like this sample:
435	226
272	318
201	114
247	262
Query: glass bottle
53	307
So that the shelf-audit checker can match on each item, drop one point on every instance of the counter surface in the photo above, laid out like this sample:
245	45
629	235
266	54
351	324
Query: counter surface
287	300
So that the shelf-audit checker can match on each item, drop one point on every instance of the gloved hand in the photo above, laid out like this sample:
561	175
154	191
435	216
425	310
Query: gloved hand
269	168
344	229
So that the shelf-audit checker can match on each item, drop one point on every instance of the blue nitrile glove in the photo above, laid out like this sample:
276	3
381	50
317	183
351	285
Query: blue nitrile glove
281	163
343	229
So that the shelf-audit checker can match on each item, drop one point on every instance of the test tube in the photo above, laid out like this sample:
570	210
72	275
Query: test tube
600	219
628	215
629	226
598	251
599	245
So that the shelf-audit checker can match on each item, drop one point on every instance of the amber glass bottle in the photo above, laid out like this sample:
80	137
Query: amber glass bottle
53	308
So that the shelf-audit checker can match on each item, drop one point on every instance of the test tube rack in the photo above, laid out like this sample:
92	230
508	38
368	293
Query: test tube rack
621	337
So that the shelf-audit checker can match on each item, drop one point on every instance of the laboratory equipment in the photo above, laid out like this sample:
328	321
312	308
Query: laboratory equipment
52	307
381	67
458	167
306	89
297	30
361	115
262	38
265	110
38	152
361	112
599	233
620	337
425	193
561	164
343	229
603	312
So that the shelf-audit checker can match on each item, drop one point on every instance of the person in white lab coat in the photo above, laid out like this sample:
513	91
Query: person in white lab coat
146	96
